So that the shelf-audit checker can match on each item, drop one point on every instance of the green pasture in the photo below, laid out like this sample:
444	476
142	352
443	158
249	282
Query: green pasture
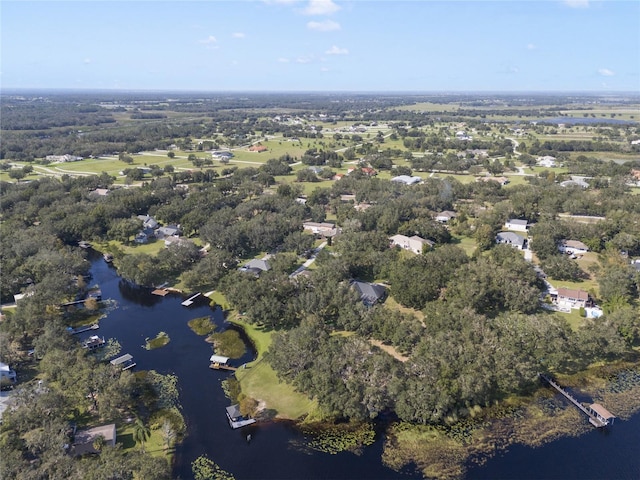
259	380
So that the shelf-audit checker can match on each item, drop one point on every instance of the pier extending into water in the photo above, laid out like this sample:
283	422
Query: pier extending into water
598	415
189	301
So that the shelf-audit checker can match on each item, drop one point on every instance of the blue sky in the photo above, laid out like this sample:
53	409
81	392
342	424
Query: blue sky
322	45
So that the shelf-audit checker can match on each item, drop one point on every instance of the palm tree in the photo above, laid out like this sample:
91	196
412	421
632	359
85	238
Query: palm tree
140	432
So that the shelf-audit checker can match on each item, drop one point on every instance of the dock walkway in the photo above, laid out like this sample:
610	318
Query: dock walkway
598	415
189	301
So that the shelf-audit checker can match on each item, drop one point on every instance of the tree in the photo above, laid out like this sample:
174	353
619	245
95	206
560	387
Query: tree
171	154
17	174
141	432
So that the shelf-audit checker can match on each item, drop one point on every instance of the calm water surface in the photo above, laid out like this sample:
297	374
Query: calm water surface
274	451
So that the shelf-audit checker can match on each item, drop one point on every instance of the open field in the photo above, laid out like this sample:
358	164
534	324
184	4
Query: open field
260	381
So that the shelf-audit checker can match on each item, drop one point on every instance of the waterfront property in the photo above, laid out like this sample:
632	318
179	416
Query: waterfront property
93	342
598	415
236	419
218	362
124	361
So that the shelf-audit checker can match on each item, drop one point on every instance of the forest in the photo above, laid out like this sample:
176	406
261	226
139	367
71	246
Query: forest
466	316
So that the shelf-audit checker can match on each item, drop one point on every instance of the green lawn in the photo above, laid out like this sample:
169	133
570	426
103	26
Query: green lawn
468	244
260	381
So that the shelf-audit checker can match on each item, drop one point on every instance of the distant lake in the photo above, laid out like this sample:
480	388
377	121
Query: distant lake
276	449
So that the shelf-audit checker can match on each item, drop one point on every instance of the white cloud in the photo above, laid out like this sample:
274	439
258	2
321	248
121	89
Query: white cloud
238	35
320	7
304	59
531	46
605	72
324	26
210	40
283	60
577	3
335	50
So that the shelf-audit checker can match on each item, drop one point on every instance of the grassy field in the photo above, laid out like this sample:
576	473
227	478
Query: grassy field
260	381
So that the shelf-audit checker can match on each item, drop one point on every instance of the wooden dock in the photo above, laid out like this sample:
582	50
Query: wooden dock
218	366
160	292
598	415
84	328
189	301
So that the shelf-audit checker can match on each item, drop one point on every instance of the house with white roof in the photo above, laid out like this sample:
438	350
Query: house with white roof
517	225
414	244
571	247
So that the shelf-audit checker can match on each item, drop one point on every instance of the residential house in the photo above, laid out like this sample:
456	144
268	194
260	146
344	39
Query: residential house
7	375
501	180
568	298
168	231
445	216
222	155
83	441
99	192
414	244
571	247
547	161
576	181
321	229
517	225
258	148
174	240
148	222
406	179
256	266
370	293
510	238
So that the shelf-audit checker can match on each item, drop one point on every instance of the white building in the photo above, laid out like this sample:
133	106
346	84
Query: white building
414	244
571	247
517	225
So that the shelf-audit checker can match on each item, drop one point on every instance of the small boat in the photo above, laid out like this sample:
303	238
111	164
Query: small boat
107	257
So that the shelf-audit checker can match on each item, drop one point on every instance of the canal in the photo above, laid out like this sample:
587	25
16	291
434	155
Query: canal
276	450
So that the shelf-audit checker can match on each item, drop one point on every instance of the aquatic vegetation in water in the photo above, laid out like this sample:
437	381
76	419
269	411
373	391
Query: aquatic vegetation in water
160	341
231	388
202	325
339	438
203	468
228	343
111	349
443	452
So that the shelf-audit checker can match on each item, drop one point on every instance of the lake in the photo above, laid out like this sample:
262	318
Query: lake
276	450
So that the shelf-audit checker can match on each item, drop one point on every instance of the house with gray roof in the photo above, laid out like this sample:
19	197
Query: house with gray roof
406	179
370	293
510	238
